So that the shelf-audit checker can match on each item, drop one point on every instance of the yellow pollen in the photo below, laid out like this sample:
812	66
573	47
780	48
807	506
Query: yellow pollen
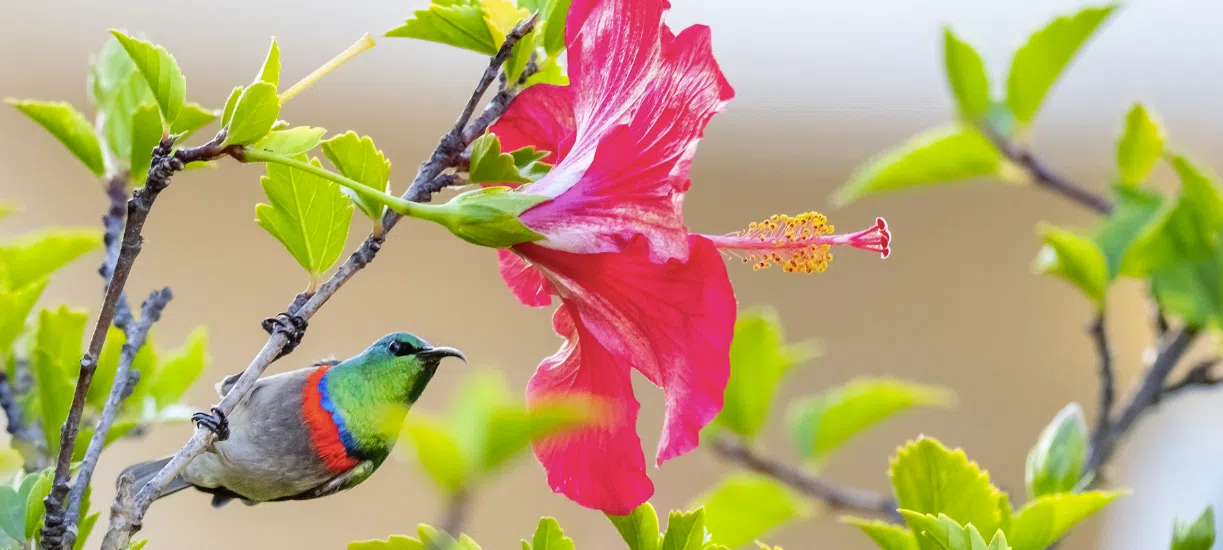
792	243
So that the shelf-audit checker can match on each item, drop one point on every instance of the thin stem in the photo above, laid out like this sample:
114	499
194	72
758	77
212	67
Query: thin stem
833	495
1199	376
365	43
458	507
1045	177
1108	389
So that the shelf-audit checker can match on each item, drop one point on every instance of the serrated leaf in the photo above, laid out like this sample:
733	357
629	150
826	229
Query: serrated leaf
1140	146
966	75
146	135
192	118
1199	535
68	126
1043	521
1188	231
948	534
1055	463
759	360
490	165
930	479
940	155
54	362
34	256
1075	259
458	23
394	543
685	530
160	70
291	142
550	536
437	450
501	16
529	162
180	369
888	536
254	114
15	307
1135	208
360	160
432	538
270	72
308	215
119	113
639	529
822	423
1039	63
744	507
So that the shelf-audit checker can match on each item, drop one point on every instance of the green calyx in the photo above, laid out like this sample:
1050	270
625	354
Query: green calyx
486	217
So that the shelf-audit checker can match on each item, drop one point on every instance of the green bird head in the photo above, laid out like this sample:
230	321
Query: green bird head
408	352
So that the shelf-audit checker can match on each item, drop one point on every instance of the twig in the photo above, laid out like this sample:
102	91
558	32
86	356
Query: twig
126	518
1044	176
24	434
1108	387
125	380
1148	394
165	163
1199	375
833	495
453	518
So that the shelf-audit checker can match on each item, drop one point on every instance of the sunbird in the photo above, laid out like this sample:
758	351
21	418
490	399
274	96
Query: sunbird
311	432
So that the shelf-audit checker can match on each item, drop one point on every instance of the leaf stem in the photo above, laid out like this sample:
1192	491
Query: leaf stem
360	46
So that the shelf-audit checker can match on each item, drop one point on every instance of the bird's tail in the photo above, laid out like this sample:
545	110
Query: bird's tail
143	472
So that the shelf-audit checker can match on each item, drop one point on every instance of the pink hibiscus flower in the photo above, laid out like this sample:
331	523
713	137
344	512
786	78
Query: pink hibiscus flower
637	290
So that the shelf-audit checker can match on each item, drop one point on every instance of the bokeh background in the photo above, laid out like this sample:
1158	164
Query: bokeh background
822	86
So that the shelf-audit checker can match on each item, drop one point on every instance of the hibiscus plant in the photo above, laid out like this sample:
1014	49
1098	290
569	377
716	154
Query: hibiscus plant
575	171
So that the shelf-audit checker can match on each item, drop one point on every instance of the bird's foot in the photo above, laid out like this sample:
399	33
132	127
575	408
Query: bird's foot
215	421
291	325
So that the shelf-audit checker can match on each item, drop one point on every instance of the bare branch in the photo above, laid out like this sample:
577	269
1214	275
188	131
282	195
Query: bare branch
1045	177
1199	376
1108	388
833	495
126	519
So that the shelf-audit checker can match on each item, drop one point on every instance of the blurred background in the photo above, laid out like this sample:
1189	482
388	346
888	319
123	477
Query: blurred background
822	86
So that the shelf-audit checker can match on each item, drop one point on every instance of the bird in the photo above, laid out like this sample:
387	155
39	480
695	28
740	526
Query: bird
310	432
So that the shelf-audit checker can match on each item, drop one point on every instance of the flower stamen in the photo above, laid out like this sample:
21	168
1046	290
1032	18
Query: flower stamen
800	243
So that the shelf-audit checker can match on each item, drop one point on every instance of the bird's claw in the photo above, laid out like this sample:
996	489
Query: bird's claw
215	421
291	325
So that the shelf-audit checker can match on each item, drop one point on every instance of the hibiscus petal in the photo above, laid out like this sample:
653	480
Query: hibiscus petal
526	282
672	321
601	467
541	116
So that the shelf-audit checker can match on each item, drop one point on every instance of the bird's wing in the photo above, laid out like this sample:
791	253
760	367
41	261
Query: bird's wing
342	482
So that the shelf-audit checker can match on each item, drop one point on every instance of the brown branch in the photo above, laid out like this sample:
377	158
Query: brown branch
1199	376
1044	176
1108	387
834	496
126	518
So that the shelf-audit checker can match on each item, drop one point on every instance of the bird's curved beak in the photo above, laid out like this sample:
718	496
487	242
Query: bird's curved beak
437	353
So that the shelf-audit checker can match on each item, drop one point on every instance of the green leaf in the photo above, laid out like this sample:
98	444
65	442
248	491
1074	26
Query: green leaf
487	216
291	142
887	536
1199	535
490	165
394	543
254	114
12	517
35	256
11	461
554	25
437	450
192	118
69	126
940	155
160	70
948	534
1039	63
744	507
15	307
511	429
55	361
966	75
146	136
930	479
139	545
432	538
231	103
270	72
822	423
120	112
180	369
639	529
550	536
501	16
1192	291
1188	231
685	530
1043	521
308	215
84	529
357	158
458	23
529	162
1075	259
109	73
37	490
8	208
1140	147
1135	208
1055	463
759	359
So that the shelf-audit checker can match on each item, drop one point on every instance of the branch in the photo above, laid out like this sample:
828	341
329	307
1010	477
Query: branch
166	161
1148	394
1199	375
1108	387
126	517
833	495
23	433
1045	177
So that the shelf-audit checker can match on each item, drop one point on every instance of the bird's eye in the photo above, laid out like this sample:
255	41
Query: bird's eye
401	349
